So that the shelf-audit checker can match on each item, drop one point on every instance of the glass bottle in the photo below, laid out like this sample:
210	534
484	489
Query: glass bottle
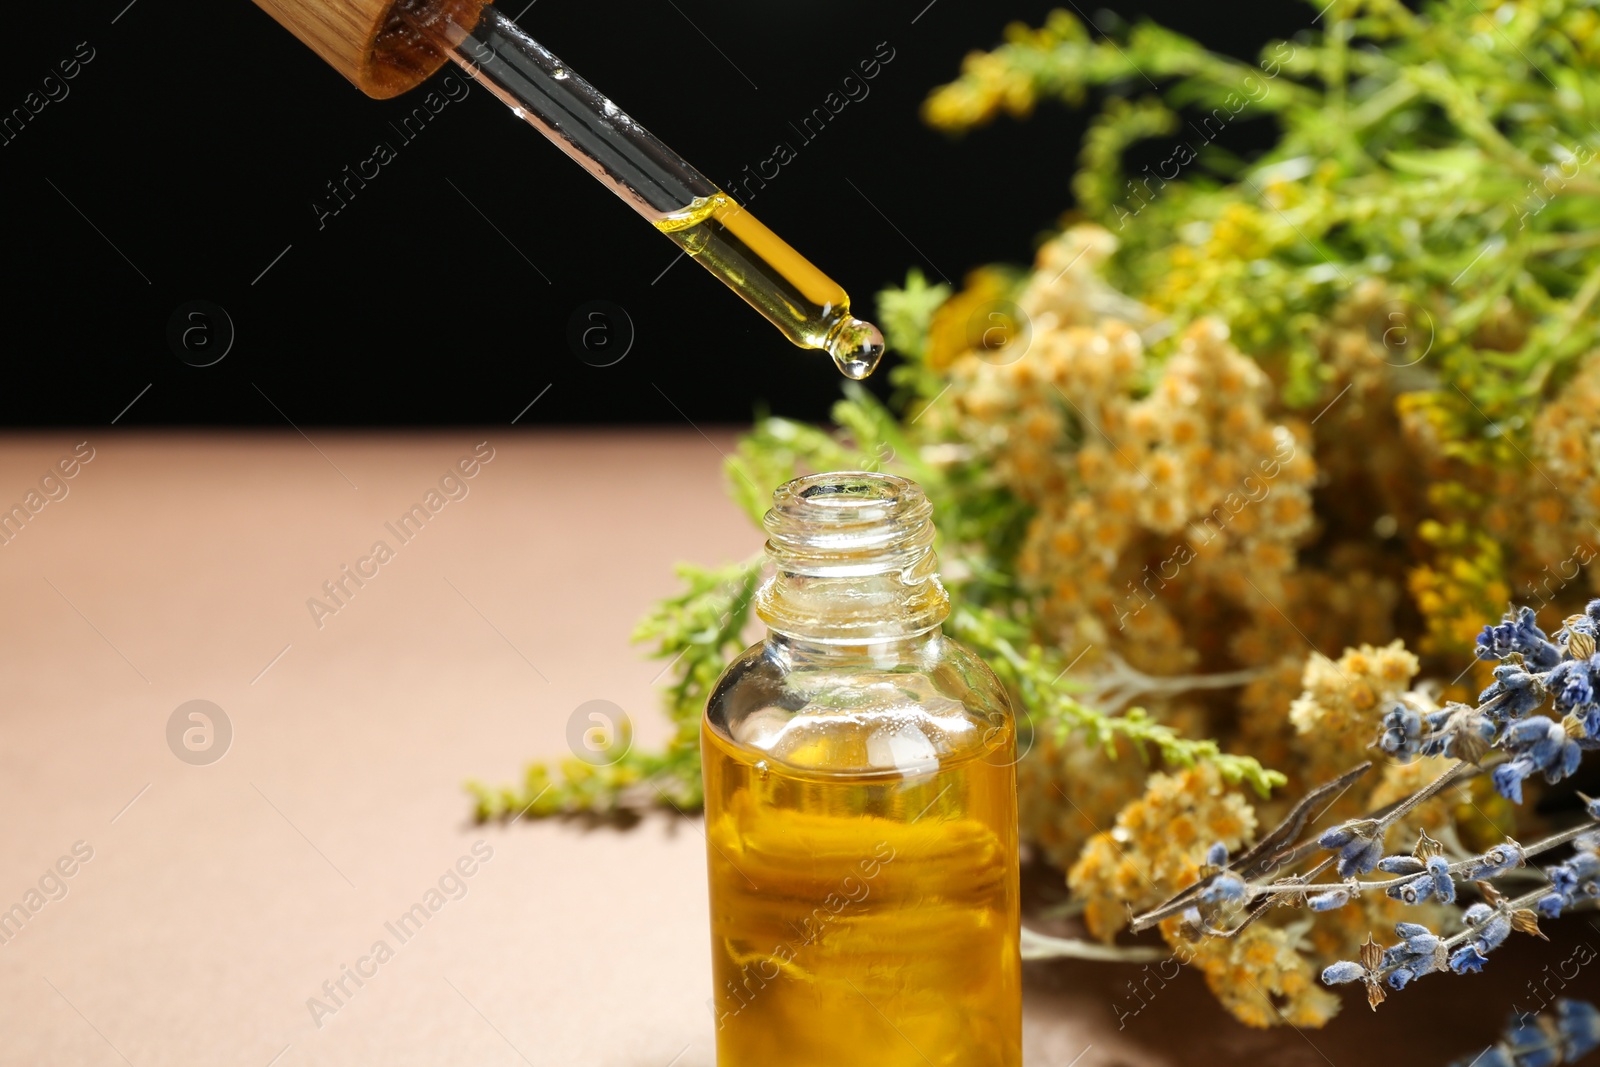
861	820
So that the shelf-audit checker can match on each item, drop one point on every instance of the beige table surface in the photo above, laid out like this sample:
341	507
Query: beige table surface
220	898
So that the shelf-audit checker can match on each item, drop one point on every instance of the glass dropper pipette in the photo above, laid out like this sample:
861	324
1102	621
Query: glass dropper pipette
810	308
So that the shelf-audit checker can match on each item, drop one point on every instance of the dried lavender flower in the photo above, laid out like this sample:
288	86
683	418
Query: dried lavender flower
1518	634
1444	887
1333	898
1224	889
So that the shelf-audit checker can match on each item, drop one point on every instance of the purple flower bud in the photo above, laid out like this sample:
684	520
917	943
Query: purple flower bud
1336	837
1400	865
1518	632
1444	887
1399	977
1467	960
1495	931
1572	684
1515	692
1224	887
1415	891
1341	972
1508	778
1566	762
1422	944
1217	855
1402	732
1497	860
1398	745
1360	856
1550	905
1538	738
1404	930
1333	898
1527	733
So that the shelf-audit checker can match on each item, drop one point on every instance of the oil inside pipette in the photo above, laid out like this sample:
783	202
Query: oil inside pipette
809	307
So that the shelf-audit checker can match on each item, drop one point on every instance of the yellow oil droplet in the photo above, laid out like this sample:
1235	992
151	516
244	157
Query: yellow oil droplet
856	347
809	307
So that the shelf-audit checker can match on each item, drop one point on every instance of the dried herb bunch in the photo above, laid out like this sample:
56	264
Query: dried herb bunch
1230	478
1498	736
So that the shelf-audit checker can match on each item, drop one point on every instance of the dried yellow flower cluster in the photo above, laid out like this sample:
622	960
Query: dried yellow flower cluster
1262	977
1172	493
1133	482
1343	699
1159	503
1267	974
1157	845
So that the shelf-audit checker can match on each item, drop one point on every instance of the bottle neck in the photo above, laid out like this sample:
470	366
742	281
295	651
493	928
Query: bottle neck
854	571
888	653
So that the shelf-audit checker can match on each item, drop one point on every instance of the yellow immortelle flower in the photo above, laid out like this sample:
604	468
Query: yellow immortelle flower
1260	977
1157	845
1340	696
1337	714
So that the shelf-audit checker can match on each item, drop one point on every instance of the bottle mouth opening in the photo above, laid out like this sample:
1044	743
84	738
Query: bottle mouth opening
845	516
846	491
846	494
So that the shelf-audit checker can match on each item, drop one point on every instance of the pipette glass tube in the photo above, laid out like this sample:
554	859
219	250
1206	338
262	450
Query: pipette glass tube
810	308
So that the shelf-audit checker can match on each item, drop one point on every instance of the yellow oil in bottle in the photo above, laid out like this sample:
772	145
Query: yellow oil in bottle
863	918
809	307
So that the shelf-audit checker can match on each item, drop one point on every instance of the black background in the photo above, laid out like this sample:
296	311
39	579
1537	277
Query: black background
190	150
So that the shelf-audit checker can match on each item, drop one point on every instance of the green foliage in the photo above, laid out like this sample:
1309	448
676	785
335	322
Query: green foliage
1034	675
904	314
1099	182
1450	153
698	631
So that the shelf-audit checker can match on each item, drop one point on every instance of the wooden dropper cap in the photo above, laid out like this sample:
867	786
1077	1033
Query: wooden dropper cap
374	43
